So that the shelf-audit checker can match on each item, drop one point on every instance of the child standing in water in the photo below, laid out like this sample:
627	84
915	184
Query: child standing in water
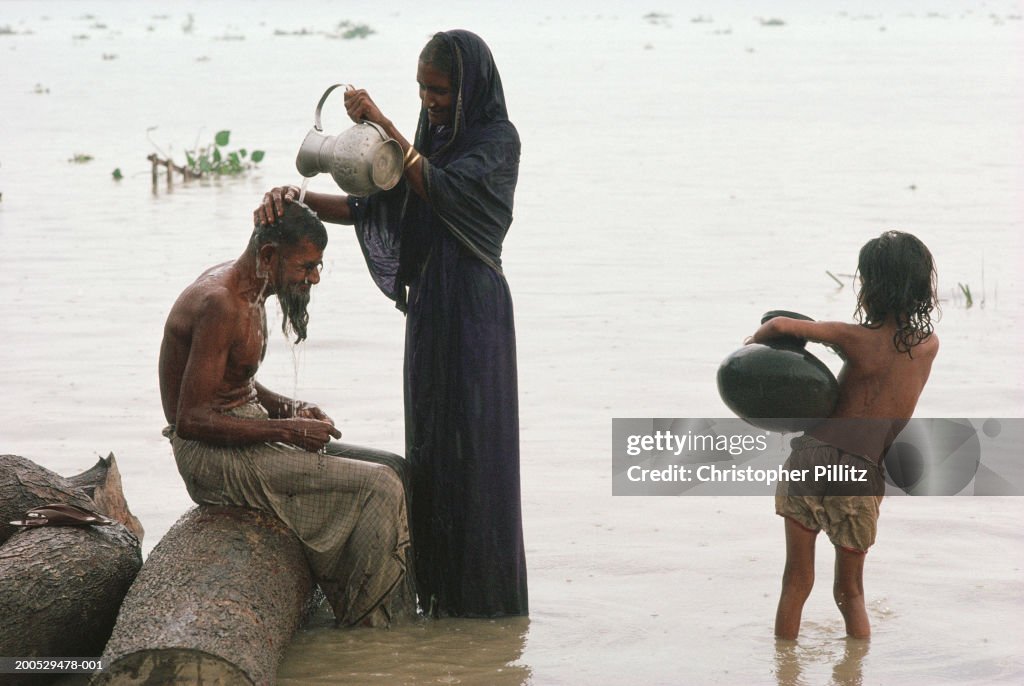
888	355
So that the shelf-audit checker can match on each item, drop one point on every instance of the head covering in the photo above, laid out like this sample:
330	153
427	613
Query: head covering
479	96
470	170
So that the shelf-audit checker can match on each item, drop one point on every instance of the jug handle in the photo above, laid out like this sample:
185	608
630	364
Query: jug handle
323	99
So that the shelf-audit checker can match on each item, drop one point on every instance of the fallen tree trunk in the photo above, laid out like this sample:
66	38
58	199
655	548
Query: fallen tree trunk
217	601
25	485
61	587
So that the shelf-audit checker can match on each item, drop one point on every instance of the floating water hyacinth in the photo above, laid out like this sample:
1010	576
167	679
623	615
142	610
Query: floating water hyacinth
216	159
657	18
347	31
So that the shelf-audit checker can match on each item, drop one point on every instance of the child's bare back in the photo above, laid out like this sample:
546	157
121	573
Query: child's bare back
878	382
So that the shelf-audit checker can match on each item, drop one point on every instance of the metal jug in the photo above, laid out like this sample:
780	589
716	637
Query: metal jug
361	160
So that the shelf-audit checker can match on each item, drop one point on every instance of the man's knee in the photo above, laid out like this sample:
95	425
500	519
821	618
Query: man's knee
389	488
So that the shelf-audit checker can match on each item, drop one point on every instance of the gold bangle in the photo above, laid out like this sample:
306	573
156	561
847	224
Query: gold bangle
408	153
412	160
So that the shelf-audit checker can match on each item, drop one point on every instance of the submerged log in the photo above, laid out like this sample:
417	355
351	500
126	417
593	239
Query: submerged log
217	602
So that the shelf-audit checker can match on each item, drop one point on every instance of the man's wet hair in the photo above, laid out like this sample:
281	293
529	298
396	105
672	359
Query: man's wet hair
297	223
898	280
438	54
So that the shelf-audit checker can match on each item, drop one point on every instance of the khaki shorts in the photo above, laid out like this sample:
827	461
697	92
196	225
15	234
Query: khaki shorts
847	511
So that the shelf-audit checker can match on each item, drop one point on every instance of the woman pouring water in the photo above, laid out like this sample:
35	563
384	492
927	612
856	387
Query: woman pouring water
433	245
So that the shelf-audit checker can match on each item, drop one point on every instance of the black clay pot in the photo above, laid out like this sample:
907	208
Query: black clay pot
778	386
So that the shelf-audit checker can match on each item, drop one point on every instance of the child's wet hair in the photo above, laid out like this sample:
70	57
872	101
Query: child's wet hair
898	280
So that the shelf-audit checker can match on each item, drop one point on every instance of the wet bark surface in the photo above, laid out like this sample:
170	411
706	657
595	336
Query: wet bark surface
60	586
217	601
25	485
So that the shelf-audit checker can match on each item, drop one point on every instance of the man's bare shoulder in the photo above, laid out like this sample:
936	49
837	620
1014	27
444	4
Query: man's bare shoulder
211	295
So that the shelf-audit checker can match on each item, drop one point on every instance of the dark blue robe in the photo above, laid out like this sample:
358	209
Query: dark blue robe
440	261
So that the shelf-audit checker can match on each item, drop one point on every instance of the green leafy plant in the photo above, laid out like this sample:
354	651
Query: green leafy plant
966	291
347	31
117	174
217	160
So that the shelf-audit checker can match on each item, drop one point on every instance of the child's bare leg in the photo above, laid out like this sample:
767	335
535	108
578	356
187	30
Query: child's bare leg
797	579
848	591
